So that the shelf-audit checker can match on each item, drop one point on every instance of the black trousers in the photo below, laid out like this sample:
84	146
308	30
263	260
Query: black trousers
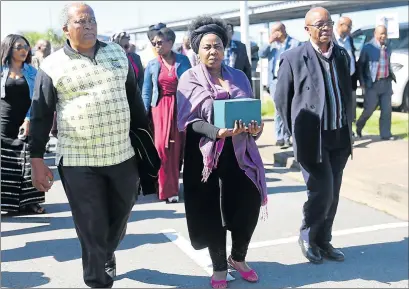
323	182
101	200
240	203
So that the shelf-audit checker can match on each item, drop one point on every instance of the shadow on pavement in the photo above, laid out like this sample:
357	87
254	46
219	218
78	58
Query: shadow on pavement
156	277
369	139
23	279
384	263
285	189
69	249
58	223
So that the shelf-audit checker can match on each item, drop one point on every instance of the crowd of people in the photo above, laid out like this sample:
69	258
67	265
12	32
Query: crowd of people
94	96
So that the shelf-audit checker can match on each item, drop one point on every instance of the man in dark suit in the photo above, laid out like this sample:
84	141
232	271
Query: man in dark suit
235	54
313	97
342	37
376	77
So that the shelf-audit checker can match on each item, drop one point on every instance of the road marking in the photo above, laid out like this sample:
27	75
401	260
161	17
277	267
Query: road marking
335	233
202	258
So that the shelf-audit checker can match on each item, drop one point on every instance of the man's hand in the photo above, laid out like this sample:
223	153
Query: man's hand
273	37
254	128
41	175
239	127
25	127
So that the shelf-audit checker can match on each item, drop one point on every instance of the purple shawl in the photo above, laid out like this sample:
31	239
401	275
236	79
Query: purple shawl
195	95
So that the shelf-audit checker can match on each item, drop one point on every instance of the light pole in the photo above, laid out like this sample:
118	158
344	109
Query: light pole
244	25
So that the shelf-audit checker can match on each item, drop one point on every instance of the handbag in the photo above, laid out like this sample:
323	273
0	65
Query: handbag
146	154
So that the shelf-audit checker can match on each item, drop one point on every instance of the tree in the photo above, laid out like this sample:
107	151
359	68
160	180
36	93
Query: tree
50	35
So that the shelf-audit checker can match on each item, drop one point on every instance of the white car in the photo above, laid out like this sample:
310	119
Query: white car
399	64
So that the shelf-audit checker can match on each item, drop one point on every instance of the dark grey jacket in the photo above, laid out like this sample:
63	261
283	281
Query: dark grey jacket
300	97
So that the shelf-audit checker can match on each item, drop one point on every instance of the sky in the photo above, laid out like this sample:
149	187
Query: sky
114	16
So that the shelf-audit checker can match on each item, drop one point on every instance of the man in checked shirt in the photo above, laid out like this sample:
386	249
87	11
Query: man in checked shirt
376	78
93	88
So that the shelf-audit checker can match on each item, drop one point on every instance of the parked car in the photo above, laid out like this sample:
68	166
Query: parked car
399	63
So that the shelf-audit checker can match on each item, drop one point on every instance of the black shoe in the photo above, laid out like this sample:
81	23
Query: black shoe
280	143
330	253
312	253
389	138
110	267
287	144
359	133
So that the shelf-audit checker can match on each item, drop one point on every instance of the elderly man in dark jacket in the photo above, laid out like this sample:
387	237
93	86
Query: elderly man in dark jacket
313	97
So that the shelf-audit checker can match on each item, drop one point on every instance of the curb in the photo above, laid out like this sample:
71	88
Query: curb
286	159
382	197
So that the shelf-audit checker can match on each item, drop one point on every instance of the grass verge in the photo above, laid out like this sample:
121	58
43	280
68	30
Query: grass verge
400	121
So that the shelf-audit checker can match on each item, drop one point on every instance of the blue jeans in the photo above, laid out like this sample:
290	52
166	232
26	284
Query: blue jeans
280	132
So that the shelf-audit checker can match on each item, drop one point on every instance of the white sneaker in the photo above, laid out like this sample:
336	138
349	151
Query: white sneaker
174	199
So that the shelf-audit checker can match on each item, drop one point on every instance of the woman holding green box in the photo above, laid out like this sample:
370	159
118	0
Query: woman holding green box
223	176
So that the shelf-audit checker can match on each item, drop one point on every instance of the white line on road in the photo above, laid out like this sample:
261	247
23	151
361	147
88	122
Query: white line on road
202	258
335	233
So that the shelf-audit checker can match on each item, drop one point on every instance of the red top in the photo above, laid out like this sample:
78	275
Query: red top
167	80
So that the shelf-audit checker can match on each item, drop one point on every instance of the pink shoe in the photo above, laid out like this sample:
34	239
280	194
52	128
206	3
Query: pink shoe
250	276
218	284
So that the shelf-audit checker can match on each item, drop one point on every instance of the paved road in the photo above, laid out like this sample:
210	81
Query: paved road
43	251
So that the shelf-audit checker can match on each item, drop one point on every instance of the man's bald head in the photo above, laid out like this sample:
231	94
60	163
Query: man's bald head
319	25
344	26
278	32
381	34
277	26
43	46
315	14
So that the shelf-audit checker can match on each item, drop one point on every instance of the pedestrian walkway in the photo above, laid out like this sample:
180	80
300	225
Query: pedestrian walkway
377	175
43	251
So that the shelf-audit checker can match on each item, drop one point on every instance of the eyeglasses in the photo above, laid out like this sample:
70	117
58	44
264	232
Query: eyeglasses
21	47
321	26
157	43
82	22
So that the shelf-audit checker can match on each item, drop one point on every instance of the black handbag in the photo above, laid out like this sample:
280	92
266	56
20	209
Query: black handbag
145	151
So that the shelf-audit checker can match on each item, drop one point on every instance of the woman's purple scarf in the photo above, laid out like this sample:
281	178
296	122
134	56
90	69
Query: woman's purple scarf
195	95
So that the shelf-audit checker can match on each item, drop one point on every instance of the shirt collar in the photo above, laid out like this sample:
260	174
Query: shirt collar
379	44
325	54
233	44
71	52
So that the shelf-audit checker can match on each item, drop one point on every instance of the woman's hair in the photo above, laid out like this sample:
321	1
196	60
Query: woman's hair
167	33
203	25
206	20
6	50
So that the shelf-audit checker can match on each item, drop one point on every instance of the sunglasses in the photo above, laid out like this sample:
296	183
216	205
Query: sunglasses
21	47
159	43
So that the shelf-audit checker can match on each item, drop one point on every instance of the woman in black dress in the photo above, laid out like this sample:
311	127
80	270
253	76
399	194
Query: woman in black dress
17	84
223	174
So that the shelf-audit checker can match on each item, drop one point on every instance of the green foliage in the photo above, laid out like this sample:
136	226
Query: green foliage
50	35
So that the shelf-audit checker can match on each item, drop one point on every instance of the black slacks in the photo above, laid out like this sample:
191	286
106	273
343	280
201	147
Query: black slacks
323	182
239	210
101	200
